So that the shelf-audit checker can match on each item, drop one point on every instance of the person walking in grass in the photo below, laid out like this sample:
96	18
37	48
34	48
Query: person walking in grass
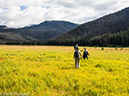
77	56
85	54
75	46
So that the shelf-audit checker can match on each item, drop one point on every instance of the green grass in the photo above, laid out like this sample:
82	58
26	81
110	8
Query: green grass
50	70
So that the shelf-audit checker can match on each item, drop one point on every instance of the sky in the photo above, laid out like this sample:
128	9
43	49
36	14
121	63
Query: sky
21	13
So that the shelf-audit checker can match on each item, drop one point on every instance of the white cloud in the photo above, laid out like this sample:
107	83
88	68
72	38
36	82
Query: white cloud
37	11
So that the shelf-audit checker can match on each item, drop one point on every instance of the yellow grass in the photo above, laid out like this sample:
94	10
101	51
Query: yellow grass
50	71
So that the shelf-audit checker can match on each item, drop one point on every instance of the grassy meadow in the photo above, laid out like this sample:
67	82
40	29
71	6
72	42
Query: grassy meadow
50	71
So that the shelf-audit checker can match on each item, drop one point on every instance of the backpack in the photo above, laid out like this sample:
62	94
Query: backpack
75	47
85	53
76	54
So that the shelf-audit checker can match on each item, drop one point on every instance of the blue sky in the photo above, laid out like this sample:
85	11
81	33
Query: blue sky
23	7
20	13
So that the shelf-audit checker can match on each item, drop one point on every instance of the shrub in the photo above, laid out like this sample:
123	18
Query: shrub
102	48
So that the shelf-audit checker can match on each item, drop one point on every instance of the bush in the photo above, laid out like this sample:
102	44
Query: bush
102	48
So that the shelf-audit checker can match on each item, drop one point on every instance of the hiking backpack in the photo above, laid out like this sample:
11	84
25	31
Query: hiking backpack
85	53
76	54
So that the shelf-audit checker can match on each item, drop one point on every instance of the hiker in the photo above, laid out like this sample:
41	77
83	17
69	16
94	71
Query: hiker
85	54
77	56
75	46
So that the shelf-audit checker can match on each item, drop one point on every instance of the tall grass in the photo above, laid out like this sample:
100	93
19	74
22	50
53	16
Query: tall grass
50	70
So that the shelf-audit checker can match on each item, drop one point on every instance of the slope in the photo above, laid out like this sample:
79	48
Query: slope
41	32
112	23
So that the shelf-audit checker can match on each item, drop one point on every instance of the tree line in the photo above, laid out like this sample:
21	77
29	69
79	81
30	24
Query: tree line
107	39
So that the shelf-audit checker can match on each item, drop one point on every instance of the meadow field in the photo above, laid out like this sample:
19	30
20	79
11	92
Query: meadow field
50	71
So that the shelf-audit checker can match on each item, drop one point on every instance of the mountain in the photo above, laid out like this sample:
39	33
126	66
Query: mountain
88	33
3	27
41	32
48	29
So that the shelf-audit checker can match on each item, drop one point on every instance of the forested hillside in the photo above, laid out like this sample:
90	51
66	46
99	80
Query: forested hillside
36	33
111	29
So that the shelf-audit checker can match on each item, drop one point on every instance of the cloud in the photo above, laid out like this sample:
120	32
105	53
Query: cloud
20	13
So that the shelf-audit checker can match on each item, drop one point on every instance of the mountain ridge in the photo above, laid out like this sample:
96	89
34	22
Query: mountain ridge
41	32
3	27
109	30
111	23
